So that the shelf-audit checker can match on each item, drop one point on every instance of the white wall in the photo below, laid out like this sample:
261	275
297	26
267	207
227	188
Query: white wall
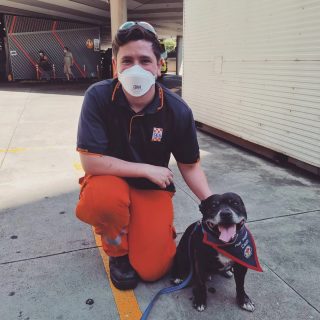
252	69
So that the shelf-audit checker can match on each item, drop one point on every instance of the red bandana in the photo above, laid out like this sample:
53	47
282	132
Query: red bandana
241	250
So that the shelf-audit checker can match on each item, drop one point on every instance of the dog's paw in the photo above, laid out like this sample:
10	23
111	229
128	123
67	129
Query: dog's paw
199	300
200	307
176	281
245	303
227	273
249	306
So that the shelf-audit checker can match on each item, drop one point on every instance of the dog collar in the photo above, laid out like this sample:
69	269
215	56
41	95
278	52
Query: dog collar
241	250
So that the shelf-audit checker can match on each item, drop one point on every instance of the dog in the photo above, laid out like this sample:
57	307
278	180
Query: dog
217	244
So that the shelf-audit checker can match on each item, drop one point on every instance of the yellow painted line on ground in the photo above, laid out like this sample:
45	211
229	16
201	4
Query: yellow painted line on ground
126	302
18	149
13	150
77	166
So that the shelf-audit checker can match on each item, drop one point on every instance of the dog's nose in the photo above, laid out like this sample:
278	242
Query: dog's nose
226	214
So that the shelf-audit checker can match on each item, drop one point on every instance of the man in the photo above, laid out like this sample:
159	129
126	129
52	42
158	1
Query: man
128	128
45	66
67	63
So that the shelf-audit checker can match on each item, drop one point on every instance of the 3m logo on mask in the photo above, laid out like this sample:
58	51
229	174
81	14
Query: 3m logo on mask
157	134
136	80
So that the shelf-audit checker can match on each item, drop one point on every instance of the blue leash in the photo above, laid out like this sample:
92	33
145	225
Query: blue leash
166	290
180	286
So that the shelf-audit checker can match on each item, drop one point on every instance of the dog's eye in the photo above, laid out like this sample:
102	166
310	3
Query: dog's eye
214	204
233	202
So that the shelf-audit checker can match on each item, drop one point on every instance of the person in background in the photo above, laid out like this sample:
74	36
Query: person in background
68	63
45	66
128	128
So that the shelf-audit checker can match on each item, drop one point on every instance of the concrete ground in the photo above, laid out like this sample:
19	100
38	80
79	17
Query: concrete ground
50	264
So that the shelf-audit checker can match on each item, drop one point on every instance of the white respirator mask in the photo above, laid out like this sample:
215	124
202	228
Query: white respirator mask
136	80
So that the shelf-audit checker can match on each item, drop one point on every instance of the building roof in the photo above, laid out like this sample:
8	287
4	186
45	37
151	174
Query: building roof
164	15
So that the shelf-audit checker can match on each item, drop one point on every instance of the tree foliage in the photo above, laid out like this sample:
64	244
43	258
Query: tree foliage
170	44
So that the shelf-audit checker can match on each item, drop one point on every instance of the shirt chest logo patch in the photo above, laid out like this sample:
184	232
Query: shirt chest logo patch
157	134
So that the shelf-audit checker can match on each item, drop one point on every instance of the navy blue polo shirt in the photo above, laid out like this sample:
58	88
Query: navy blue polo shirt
108	126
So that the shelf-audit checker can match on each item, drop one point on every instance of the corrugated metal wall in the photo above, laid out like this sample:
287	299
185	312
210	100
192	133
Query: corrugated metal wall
252	69
26	36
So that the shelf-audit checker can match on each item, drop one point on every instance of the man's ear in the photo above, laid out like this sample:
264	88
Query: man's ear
114	67
159	65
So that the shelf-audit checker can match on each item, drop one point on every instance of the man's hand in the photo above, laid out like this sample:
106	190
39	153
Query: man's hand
161	176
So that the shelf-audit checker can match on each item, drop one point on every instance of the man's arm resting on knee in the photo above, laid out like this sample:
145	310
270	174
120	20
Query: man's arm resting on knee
195	178
105	165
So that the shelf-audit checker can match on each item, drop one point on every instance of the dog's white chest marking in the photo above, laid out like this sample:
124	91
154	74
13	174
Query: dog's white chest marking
226	262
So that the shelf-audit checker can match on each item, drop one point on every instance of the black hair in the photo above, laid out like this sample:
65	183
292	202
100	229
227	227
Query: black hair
136	32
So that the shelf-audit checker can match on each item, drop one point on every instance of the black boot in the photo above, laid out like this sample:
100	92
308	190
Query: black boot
122	275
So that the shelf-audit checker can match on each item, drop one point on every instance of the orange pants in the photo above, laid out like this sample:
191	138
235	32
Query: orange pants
130	221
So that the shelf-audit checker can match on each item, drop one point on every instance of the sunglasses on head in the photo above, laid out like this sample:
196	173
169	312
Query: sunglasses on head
145	25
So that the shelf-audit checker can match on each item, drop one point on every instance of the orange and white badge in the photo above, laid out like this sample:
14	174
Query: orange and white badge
157	134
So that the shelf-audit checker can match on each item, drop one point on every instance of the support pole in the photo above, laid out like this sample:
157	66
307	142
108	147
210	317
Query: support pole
179	61
118	12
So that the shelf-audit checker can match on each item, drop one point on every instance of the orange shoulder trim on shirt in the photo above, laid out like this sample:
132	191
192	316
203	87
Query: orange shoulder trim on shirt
115	90
85	151
161	98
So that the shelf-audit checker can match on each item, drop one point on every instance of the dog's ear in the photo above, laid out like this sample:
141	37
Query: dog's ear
208	206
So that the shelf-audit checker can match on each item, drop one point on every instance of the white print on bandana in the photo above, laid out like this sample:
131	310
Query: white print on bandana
248	252
157	134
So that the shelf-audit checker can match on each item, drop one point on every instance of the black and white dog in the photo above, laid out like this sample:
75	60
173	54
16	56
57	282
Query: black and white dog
216	244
